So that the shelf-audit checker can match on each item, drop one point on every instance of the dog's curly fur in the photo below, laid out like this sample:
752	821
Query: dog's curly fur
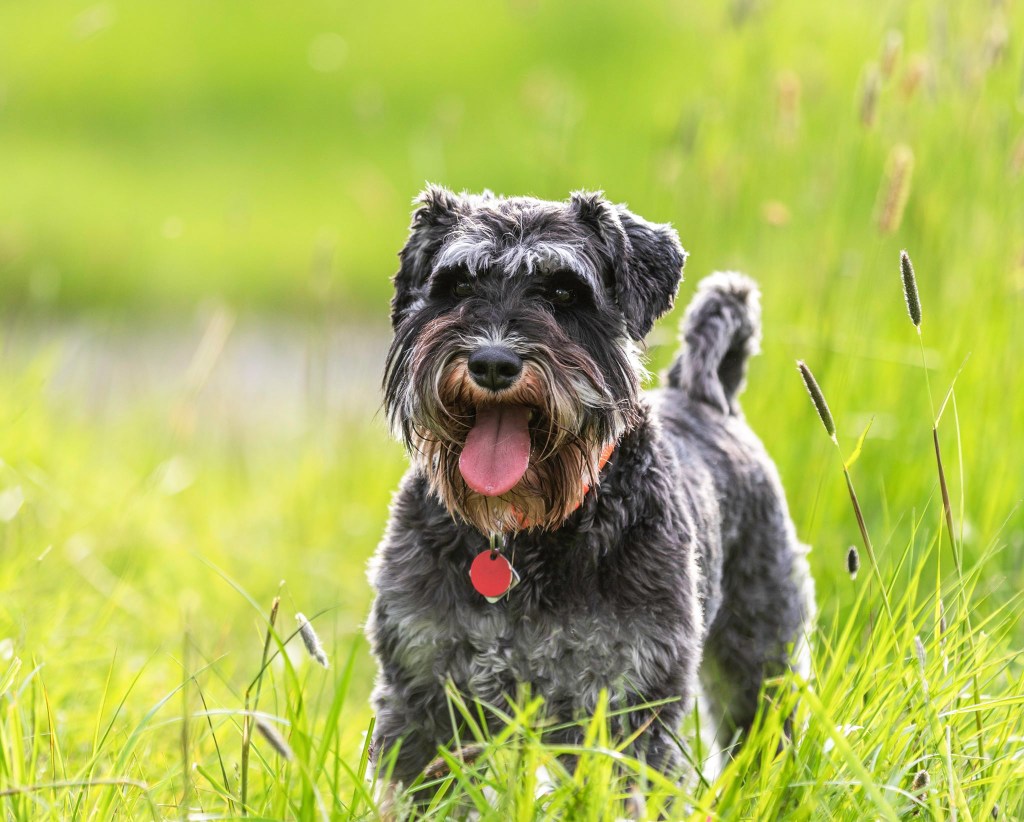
681	560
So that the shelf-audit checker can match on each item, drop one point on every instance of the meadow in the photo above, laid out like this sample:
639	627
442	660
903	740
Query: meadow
205	174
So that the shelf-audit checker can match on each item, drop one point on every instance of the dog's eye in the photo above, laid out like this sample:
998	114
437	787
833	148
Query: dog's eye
463	288
563	296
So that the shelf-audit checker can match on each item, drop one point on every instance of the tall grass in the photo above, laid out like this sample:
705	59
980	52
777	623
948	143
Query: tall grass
234	717
153	156
882	708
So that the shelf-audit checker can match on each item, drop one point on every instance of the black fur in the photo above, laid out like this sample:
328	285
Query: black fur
682	551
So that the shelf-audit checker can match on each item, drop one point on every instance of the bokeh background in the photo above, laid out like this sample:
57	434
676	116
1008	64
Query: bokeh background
200	208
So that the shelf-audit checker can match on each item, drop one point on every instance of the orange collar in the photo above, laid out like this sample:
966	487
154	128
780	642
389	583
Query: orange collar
606	455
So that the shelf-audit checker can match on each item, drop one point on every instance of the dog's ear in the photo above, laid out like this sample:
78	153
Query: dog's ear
437	212
647	259
650	273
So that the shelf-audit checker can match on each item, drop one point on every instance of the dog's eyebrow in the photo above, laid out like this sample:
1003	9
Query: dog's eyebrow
474	254
544	257
538	257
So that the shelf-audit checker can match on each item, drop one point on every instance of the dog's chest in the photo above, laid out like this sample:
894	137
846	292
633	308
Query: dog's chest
594	610
565	655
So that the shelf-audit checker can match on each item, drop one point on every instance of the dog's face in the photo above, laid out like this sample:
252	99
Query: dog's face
514	361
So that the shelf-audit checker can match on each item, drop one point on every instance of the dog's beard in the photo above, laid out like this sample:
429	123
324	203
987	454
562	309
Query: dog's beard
570	423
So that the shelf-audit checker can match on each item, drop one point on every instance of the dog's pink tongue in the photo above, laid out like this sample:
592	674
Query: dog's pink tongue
497	450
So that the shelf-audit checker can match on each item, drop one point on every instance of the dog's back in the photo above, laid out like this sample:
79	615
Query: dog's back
760	592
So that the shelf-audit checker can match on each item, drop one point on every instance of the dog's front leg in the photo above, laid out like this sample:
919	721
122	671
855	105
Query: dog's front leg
656	741
656	745
408	729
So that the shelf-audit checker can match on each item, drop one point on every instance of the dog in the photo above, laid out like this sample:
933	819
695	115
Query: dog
559	528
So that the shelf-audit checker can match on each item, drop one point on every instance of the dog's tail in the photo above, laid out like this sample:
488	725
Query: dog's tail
720	331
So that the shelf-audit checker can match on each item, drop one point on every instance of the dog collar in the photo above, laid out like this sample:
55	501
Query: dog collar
492	573
606	454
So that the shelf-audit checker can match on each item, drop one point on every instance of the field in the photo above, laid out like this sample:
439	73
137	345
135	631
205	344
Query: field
200	206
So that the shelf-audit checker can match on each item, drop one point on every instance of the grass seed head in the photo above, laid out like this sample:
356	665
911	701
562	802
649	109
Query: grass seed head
918	73
895	188
997	38
892	48
274	739
853	561
910	289
922	658
869	94
311	640
921	780
788	87
817	398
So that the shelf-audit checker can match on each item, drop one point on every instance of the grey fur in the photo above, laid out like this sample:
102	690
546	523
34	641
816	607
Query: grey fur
683	551
525	235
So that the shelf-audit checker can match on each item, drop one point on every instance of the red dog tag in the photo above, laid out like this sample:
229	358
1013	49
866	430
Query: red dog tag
492	575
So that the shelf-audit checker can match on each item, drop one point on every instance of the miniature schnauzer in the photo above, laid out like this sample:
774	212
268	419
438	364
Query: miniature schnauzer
559	528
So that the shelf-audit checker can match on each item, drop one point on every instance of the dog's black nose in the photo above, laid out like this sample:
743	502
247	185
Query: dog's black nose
494	367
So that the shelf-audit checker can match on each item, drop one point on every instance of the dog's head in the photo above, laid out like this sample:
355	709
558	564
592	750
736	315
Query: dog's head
515	358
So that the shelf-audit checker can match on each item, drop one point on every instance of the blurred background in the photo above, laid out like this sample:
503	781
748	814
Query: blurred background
200	208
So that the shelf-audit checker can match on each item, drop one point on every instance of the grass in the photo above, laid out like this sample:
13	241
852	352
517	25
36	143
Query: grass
137	661
156	156
141	563
148	157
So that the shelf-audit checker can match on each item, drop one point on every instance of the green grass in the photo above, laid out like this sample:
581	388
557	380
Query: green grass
153	156
152	152
137	609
